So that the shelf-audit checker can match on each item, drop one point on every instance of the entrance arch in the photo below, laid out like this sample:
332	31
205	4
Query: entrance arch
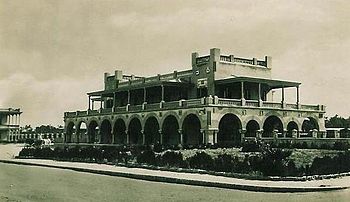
309	124
93	130
134	129
170	129
252	128
151	131
119	132
82	132
106	132
292	126
272	124
191	129
229	130
69	132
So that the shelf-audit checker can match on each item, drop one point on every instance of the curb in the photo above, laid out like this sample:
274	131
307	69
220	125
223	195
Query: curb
154	178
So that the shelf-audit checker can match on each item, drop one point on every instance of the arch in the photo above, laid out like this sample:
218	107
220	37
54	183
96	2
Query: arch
272	124
82	132
119	132
291	127
150	115
93	131
134	130
229	130
252	128
170	129
69	132
106	132
309	124
170	113
191	130
132	117
151	131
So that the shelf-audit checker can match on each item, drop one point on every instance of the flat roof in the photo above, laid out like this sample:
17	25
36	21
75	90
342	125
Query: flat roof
140	86
273	83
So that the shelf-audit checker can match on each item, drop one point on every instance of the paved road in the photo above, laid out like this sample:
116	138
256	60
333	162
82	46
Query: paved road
27	183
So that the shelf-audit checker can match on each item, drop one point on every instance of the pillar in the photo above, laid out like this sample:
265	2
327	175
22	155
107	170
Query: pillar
243	132
161	136
101	106
143	137
162	86
93	103
144	95
283	101
298	96
181	136
114	101
242	94
128	96
89	97
127	137
259	92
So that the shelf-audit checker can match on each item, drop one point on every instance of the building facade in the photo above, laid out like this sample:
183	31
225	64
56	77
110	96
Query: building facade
222	99
9	124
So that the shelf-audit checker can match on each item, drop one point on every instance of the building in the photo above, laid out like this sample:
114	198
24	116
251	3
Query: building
222	99
43	132
9	124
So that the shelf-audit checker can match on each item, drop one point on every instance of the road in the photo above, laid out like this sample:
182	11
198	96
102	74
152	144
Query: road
27	183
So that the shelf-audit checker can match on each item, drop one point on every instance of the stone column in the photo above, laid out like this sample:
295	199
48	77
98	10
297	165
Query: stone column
298	101
242	94
260	100
89	97
160	136
143	137
181	136
162	86
243	132
283	101
127	137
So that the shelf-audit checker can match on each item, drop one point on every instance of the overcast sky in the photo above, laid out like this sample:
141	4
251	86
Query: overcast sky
53	52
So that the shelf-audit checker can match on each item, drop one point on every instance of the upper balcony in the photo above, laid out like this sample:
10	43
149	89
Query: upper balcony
197	103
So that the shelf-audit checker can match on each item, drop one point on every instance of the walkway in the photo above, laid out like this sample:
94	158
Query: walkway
192	178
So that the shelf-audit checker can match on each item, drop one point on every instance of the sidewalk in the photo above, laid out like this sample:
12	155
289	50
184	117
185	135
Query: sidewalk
192	178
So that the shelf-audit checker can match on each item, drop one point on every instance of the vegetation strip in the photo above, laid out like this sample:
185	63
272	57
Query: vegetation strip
257	188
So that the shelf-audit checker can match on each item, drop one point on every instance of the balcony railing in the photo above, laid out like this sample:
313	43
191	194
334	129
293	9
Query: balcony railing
272	104
223	101
173	104
198	102
252	103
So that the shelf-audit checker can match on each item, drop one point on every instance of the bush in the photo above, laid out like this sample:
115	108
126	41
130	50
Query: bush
224	163
251	146
147	156
341	146
171	158
201	160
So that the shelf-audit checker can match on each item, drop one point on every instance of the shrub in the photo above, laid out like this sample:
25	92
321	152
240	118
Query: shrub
147	156
341	146
201	160
171	158
251	146
224	163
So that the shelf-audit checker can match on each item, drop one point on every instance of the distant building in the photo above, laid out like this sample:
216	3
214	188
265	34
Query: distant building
9	124
221	99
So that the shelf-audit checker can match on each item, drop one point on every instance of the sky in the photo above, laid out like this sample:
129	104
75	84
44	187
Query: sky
53	52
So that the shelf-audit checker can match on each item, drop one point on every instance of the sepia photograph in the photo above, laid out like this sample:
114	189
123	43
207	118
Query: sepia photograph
174	100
